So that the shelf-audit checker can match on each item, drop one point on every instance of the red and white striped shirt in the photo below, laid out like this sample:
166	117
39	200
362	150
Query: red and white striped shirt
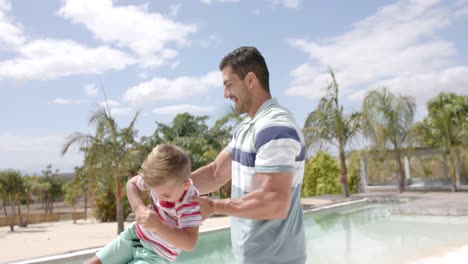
181	214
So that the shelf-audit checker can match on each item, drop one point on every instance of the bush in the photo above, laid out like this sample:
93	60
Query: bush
352	163
320	176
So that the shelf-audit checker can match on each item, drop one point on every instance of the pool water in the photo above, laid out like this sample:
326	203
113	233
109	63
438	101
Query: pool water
364	234
212	248
371	234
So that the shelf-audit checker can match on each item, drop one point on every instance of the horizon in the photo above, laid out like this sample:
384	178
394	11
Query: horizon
58	57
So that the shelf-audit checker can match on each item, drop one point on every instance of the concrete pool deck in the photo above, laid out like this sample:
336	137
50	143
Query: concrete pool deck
49	239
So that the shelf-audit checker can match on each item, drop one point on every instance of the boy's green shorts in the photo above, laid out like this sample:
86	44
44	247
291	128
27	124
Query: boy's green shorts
127	248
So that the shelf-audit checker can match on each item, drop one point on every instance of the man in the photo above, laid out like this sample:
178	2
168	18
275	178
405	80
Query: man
265	160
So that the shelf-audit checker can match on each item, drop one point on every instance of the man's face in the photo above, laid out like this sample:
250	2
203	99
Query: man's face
171	191
236	90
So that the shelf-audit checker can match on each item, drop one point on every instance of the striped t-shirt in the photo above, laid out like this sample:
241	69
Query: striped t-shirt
181	214
270	142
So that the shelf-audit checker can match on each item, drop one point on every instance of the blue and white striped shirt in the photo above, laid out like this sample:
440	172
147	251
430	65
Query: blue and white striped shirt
270	142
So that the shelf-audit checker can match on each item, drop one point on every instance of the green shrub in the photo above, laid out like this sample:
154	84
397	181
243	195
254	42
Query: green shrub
321	176
352	163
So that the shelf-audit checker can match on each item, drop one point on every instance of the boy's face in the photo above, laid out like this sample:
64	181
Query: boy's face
171	191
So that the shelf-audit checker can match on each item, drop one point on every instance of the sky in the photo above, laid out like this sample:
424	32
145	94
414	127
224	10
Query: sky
59	59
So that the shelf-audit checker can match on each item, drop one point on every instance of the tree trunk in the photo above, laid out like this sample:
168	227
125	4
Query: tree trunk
119	207
85	205
344	172
21	223
26	222
452	170
13	213
4	208
46	203
401	171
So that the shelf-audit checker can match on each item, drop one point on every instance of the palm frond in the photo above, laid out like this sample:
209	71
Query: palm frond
76	138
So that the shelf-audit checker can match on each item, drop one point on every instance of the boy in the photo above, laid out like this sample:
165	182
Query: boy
170	224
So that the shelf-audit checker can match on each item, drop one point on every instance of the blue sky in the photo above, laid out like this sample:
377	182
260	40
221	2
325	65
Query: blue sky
162	57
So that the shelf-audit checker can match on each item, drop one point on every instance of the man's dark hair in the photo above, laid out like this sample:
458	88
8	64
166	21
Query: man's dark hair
247	59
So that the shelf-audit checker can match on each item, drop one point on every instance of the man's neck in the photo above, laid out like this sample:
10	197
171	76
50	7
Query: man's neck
257	103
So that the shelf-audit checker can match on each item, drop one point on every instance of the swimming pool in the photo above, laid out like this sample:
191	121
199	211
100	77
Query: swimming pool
367	233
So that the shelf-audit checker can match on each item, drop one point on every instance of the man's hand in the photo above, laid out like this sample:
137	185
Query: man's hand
147	218
207	206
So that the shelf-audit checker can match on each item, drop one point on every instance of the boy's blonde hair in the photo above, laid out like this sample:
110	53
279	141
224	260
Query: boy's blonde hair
166	162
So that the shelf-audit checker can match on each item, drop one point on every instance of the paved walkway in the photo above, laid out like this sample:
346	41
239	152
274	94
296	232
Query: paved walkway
421	203
62	237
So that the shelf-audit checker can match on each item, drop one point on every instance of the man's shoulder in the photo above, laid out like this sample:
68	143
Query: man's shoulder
276	117
276	112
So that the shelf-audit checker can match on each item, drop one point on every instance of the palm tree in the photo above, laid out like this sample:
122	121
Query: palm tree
52	187
32	185
220	135
79	186
387	120
115	143
446	126
12	184
230	118
328	124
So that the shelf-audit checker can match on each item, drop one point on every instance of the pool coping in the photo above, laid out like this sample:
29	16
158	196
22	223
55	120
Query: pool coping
336	205
79	254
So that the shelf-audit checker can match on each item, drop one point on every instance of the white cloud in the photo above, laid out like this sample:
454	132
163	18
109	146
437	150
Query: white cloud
174	10
180	88
61	101
292	4
211	41
147	34
462	12
90	89
116	108
209	2
398	47
174	64
49	59
425	86
5	5
307	81
110	103
11	34
178	109
33	153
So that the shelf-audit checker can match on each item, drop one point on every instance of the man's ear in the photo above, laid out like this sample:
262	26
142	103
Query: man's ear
250	79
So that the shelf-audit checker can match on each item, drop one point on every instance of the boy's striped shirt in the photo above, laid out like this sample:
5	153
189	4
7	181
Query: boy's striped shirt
182	214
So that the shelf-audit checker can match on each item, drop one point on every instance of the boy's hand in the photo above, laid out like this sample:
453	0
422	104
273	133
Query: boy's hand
207	206
147	218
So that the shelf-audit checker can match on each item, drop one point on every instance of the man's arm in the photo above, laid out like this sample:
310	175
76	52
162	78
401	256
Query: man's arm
272	201
211	177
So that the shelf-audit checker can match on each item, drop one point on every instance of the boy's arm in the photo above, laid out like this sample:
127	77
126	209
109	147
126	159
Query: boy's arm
211	177
184	239
134	196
